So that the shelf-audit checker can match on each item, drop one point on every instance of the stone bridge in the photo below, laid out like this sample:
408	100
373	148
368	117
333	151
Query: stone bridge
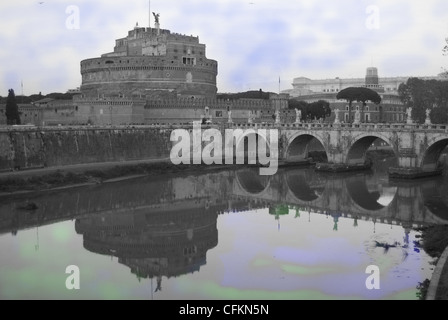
416	147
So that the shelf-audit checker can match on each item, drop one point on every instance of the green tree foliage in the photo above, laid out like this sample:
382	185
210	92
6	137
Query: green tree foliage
311	111
36	97
421	94
360	94
12	109
254	94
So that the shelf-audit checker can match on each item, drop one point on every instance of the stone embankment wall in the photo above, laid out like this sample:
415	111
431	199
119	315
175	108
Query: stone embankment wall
47	147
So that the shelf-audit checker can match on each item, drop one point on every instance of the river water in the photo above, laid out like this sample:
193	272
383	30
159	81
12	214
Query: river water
228	234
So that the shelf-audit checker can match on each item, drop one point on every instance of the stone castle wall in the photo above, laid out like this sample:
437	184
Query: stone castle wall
217	110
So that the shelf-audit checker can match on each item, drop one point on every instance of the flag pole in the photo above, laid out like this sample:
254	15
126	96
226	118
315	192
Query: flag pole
279	85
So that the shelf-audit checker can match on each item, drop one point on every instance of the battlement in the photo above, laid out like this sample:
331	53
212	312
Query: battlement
188	103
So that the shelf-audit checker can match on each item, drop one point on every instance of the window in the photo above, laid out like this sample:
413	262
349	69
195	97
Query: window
189	61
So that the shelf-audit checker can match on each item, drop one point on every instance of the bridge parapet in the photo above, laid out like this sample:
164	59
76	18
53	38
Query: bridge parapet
347	126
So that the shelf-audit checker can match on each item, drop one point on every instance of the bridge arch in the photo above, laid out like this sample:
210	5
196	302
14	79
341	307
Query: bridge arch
243	147
431	156
298	145
356	153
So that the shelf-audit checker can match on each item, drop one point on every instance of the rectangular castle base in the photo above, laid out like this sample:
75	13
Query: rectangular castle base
332	167
412	173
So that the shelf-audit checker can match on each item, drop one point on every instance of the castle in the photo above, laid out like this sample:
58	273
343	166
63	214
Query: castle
151	62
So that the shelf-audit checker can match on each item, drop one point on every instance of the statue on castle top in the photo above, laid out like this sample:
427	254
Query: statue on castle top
156	16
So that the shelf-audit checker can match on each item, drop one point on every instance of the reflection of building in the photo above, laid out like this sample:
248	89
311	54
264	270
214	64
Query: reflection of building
154	243
391	109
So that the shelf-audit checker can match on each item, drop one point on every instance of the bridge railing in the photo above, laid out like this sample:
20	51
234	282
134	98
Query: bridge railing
346	126
297	126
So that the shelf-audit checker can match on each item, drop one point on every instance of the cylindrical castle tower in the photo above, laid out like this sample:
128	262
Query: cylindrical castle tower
151	61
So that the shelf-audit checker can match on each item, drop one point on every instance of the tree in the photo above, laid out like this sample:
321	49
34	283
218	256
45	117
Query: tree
421	94
320	109
360	94
310	111
299	105
12	109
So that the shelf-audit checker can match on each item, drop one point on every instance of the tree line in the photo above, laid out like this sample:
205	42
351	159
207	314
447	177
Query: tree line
420	95
12	112
311	110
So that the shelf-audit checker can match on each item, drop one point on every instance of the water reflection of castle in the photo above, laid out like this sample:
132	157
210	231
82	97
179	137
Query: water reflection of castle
165	228
156	243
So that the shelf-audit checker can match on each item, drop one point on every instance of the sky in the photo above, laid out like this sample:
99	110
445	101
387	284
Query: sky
259	44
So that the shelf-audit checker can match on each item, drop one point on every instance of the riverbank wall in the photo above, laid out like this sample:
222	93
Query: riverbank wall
30	148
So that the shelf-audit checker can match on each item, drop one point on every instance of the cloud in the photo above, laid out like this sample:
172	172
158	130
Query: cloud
254	41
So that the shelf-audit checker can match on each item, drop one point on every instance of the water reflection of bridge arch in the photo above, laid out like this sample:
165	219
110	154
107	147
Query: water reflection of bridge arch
370	196
392	202
305	186
250	181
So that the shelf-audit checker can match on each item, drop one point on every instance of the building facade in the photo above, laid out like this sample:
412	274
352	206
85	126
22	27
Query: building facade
390	110
303	86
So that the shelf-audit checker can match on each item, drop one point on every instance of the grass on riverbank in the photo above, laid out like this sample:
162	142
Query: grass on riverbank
434	240
62	178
